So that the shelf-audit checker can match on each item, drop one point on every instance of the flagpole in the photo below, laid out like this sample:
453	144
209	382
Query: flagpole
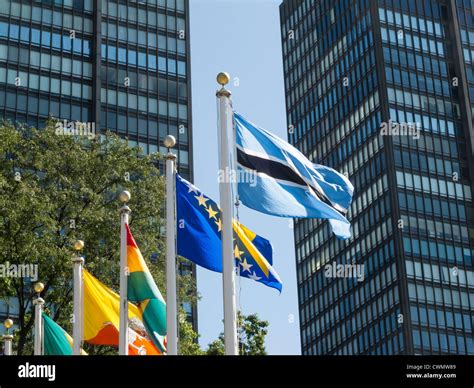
78	262
225	189
38	303
171	308
124	197
8	338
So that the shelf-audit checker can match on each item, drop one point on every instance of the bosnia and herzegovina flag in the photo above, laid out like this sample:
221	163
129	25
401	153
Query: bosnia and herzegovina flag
56	341
282	182
199	238
102	319
142	290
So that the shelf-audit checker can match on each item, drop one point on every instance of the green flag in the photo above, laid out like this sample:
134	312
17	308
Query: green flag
56	341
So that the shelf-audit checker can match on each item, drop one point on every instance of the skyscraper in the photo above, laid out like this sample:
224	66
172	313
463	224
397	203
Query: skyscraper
383	91
123	66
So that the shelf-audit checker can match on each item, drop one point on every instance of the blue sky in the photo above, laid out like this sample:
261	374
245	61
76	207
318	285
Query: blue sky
243	38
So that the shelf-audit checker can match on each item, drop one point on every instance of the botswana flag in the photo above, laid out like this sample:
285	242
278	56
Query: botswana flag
281	181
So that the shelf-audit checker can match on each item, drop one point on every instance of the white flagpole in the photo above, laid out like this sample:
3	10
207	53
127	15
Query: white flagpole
78	262
124	197
171	308
38	303
225	189
8	338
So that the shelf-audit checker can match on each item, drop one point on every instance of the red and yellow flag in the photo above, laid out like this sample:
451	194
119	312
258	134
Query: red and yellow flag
143	290
102	317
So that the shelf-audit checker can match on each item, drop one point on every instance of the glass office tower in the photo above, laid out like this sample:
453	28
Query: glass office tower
383	92
122	65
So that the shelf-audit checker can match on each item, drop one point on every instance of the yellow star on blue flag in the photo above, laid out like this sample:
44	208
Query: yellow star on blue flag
199	238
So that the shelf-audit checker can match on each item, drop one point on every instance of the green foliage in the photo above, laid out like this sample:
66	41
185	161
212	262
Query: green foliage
188	338
252	335
252	332
216	347
55	189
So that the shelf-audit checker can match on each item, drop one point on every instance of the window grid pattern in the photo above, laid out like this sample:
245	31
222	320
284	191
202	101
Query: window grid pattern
43	71
333	107
143	74
433	193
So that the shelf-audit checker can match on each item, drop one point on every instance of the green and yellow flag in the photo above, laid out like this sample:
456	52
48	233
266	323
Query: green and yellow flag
142	290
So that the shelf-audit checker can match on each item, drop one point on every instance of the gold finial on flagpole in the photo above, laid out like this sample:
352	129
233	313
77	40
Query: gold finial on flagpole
223	78
124	196
78	245
8	323
169	141
38	287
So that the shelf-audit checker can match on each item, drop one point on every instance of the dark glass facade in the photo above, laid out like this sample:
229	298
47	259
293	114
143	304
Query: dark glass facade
121	65
352	69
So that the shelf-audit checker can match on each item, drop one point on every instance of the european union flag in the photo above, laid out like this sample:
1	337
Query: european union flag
199	238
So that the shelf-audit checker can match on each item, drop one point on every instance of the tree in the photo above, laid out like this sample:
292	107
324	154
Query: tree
251	332
55	189
188	338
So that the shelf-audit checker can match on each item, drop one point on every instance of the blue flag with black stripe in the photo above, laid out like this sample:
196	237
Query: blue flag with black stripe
277	179
199	238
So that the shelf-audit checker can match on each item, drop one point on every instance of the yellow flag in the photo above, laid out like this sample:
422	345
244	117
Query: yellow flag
102	317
